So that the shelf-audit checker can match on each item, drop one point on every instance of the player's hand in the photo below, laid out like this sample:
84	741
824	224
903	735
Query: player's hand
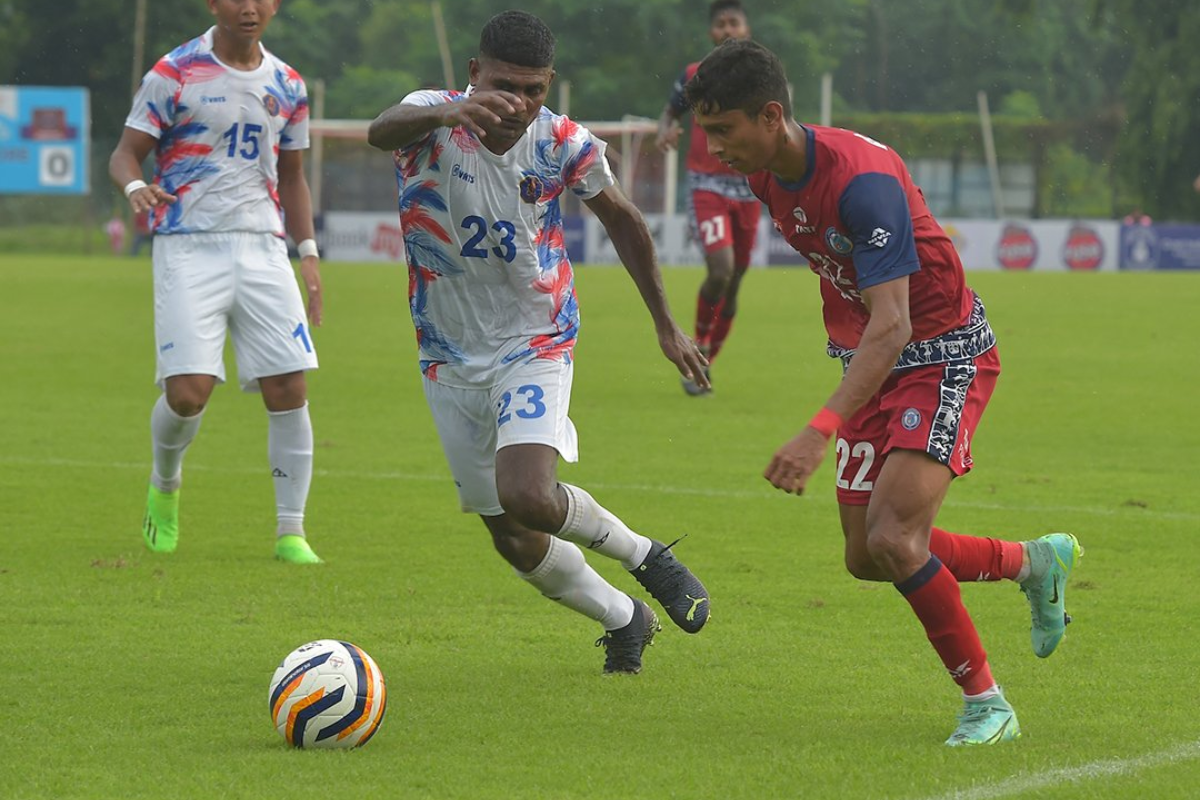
149	197
668	139
483	109
684	354
310	273
797	460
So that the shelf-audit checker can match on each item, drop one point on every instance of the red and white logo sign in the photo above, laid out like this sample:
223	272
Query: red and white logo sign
388	239
1084	249
1017	248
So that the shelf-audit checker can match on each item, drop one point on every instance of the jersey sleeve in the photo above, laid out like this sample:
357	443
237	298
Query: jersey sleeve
585	167
426	98
875	210
294	135
154	105
678	101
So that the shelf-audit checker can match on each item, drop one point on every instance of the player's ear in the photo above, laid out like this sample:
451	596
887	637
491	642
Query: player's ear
772	114
472	72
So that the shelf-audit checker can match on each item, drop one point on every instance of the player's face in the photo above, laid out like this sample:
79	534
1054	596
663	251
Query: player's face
729	24
529	84
243	21
740	141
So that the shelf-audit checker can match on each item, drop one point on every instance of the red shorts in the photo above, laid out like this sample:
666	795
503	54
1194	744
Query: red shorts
933	409
721	222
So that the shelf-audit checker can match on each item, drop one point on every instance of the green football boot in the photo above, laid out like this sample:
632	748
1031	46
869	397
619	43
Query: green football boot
160	526
294	549
989	721
1051	560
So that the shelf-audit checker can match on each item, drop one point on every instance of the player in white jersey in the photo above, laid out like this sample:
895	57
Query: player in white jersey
227	121
492	297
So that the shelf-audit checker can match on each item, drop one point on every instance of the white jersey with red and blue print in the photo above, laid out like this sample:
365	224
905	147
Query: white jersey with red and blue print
219	133
490	284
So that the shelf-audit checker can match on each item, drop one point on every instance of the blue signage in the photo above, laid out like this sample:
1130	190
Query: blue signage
45	134
1160	247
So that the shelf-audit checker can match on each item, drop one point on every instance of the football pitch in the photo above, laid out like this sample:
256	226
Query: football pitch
130	675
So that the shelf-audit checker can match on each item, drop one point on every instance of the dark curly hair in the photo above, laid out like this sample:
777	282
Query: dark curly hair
721	6
739	75
517	37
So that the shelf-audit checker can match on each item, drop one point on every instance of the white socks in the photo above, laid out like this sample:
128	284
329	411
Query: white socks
565	577
290	448
591	525
170	435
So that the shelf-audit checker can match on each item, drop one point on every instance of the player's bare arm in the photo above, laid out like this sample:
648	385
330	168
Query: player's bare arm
296	200
125	167
404	123
631	238
669	129
885	336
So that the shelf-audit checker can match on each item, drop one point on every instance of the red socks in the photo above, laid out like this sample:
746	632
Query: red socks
933	594
706	315
976	558
720	330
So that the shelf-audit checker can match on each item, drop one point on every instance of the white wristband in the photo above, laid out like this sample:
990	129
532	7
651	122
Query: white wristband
133	186
307	248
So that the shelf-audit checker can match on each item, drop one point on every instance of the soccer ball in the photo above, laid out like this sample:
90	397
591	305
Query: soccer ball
327	694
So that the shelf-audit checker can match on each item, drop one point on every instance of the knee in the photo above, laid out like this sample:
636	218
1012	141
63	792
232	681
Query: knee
894	553
284	392
533	505
863	567
718	280
516	545
187	402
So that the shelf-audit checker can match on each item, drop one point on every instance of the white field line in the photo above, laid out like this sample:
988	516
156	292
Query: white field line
636	487
1117	767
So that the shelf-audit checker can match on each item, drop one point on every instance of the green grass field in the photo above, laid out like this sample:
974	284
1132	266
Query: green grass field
128	675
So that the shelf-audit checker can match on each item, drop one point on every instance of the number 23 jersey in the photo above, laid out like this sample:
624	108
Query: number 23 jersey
219	131
490	283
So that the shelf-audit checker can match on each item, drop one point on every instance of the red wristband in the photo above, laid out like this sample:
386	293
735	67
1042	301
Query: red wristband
826	422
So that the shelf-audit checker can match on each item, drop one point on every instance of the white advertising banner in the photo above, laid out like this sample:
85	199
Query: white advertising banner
1042	245
1017	245
361	236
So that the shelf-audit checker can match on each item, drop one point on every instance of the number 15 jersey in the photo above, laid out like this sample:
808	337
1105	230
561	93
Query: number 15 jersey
219	133
490	283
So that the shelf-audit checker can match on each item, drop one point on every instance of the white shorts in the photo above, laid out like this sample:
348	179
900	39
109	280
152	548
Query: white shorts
208	283
527	405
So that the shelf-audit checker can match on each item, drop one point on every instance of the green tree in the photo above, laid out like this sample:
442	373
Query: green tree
1157	153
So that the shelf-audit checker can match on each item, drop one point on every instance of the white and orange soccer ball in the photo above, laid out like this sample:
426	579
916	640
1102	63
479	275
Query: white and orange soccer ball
328	694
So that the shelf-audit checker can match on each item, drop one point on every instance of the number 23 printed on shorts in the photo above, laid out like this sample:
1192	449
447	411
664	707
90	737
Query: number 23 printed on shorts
525	402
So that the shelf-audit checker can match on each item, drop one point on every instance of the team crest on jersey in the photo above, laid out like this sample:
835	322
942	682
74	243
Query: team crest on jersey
910	419
272	104
531	188
838	242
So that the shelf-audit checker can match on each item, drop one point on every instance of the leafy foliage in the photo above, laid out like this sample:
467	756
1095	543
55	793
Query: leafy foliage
1071	61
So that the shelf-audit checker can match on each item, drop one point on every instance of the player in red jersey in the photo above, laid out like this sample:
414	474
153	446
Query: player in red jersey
723	211
919	360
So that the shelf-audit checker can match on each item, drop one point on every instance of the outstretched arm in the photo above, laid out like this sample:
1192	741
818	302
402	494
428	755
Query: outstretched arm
887	331
633	243
404	123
